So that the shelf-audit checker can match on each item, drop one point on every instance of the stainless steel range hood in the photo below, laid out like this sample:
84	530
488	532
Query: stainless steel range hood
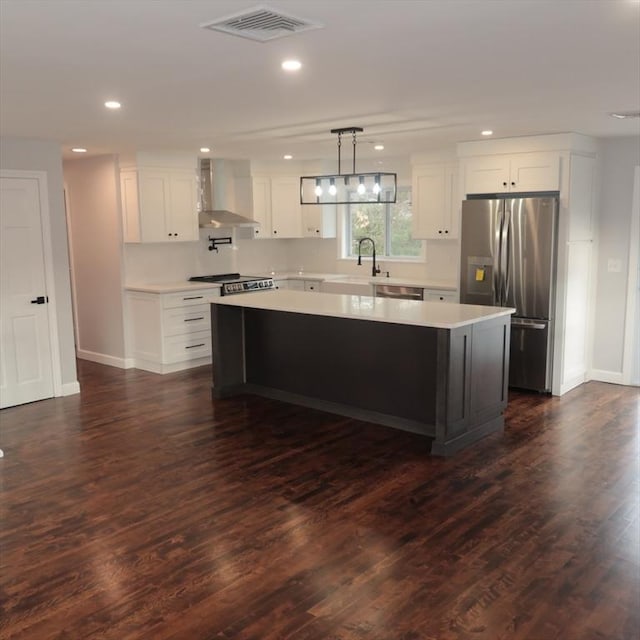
215	199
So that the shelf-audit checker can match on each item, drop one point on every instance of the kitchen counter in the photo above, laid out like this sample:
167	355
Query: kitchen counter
407	312
440	370
172	287
341	277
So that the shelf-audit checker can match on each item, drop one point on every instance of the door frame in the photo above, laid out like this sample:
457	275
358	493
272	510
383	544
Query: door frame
47	249
631	347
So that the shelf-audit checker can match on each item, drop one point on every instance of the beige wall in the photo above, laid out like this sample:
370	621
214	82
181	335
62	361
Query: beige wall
21	154
620	156
96	238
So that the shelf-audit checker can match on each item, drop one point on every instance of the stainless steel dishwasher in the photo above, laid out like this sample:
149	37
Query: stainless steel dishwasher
400	292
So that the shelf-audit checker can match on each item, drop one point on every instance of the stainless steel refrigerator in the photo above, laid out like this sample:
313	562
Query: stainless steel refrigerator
508	259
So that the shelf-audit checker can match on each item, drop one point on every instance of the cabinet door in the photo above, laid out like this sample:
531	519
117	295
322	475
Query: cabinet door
286	214
486	175
296	285
453	202
436	202
261	192
535	172
319	221
432	295
154	205
429	202
183	220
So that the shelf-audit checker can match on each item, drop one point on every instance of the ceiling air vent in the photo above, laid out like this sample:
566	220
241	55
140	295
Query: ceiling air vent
262	24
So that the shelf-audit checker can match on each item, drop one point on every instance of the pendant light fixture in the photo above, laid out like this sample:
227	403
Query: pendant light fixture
347	188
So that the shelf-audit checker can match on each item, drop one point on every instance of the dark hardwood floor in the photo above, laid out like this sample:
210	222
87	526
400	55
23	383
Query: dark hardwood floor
140	509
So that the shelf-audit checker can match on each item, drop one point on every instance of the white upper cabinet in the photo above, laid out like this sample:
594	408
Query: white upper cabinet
286	212
276	206
519	172
261	206
319	221
159	204
435	201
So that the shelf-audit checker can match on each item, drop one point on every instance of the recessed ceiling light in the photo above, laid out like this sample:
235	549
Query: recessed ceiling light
378	147
487	132
78	150
287	157
204	149
292	65
623	115
112	104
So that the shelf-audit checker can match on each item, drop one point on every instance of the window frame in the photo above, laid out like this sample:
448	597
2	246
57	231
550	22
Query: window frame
346	232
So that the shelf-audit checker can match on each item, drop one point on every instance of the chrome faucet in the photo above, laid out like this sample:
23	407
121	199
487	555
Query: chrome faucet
375	270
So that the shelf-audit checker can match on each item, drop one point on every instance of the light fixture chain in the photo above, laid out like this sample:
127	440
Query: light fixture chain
339	145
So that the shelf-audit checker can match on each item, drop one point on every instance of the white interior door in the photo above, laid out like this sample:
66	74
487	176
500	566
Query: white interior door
25	354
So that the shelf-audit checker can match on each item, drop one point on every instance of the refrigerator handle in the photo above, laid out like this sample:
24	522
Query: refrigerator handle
504	255
497	266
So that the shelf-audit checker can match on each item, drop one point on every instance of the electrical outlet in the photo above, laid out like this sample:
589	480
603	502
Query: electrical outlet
614	265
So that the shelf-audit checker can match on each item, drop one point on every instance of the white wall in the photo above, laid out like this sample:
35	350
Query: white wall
619	158
38	155
96	240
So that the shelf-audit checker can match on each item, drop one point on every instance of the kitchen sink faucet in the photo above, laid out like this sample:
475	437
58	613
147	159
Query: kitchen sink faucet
375	270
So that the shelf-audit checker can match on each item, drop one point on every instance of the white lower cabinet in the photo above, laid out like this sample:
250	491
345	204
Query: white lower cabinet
434	295
170	331
299	285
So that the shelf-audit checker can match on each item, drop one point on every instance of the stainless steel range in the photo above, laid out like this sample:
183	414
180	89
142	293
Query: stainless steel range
233	283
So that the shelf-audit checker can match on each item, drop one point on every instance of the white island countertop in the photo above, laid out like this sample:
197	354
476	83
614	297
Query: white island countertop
439	315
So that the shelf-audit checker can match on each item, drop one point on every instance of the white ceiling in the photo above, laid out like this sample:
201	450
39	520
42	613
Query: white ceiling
416	74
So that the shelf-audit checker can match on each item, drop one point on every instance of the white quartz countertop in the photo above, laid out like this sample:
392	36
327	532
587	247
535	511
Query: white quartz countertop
172	287
341	277
439	315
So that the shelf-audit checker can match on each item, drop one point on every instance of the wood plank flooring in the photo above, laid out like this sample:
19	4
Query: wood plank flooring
141	509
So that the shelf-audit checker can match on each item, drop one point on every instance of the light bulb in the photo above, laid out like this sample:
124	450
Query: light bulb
361	188
332	188
376	187
318	190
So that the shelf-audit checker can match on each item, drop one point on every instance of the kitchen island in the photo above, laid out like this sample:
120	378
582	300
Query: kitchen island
437	369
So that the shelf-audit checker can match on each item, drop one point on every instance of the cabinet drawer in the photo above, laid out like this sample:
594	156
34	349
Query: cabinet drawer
185	320
440	296
189	347
188	298
311	285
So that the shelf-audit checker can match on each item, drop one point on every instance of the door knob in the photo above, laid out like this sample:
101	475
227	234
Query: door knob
40	300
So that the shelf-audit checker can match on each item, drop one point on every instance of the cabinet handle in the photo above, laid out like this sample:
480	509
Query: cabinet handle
257	231
175	234
317	230
169	234
504	184
193	346
194	298
439	230
446	230
275	231
513	184
194	319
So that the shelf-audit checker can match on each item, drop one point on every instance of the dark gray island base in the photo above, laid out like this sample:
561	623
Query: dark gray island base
449	384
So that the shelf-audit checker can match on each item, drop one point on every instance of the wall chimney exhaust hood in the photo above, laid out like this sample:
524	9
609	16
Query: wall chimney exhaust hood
214	212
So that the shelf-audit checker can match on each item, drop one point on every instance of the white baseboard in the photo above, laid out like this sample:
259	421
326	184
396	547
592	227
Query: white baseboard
572	383
101	358
601	375
70	388
157	367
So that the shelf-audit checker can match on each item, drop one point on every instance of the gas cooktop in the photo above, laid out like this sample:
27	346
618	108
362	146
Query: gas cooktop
235	283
